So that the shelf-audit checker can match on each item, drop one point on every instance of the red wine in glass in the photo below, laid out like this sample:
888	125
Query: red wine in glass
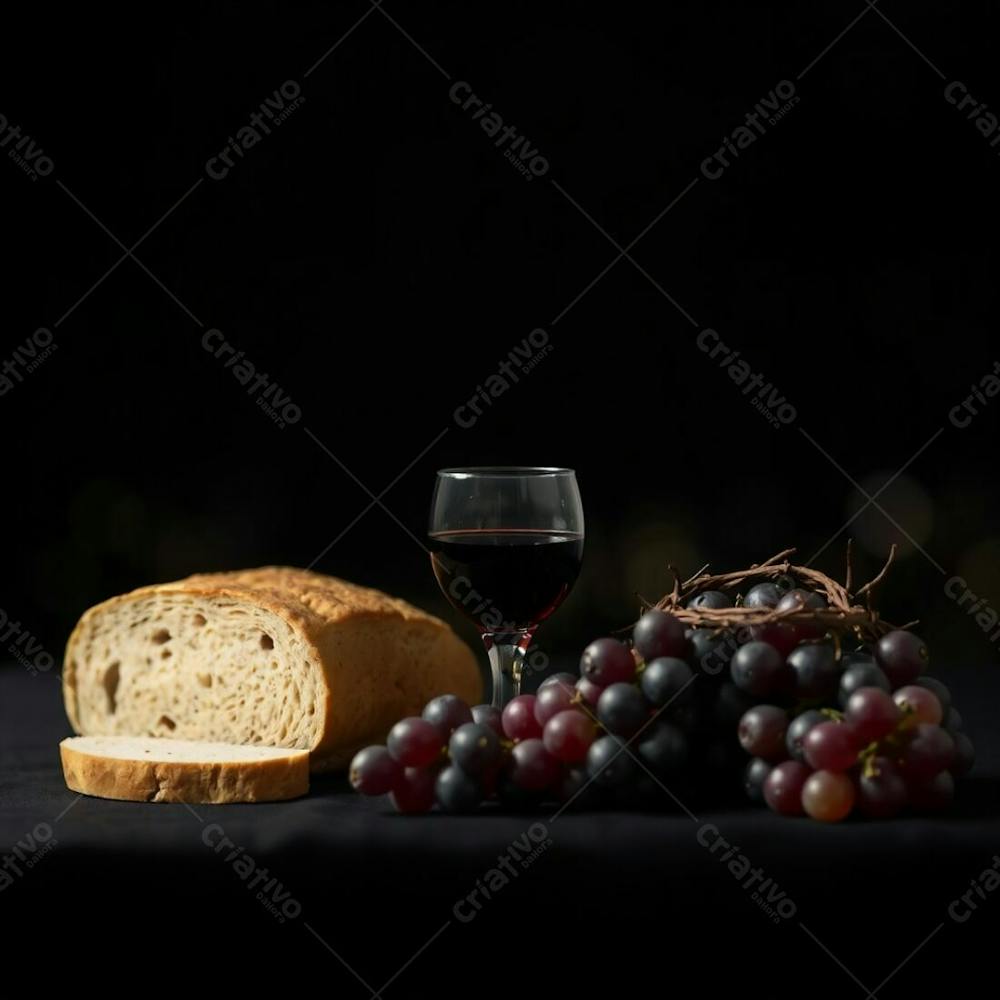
506	547
509	579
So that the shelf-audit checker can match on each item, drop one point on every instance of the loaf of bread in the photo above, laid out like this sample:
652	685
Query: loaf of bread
159	770
274	657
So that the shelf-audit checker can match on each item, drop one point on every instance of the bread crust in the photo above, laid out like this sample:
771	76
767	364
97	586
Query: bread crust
335	620
163	780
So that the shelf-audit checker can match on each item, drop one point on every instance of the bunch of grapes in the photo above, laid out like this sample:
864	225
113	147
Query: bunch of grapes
606	736
893	740
829	730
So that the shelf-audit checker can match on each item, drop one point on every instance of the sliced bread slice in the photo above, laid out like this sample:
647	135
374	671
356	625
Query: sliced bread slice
153	769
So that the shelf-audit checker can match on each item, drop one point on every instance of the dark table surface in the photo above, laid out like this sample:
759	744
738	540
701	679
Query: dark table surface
364	890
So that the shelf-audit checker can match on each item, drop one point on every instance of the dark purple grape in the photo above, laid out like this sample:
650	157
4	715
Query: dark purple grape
757	668
783	787
903	656
622	709
965	755
518	718
663	748
575	786
762	595
665	679
553	699
938	689
474	748
515	798
872	714
415	742
929	751
861	675
881	794
658	633
933	794
414	792
711	650
797	730
685	716
713	599
456	791
533	767
754	777
785	583
447	712
607	661
953	720
488	715
374	771
796	599
608	764
730	704
762	732
815	668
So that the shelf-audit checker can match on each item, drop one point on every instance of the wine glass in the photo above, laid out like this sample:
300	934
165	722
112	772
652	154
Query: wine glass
506	546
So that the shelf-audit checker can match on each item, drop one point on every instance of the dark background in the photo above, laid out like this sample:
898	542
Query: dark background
378	258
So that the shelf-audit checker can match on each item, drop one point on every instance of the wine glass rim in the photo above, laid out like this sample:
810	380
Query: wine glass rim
504	471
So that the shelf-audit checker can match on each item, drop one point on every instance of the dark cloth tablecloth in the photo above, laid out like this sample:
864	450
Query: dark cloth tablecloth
340	886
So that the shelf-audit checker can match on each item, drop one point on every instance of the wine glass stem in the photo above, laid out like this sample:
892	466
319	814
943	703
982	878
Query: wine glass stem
506	652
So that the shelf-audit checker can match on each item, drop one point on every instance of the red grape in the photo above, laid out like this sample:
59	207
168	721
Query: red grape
414	792
564	678
658	633
872	714
533	768
568	736
931	749
519	722
902	655
882	793
828	796
606	661
415	742
924	704
830	746
762	732
373	771
781	635
589	691
783	787
552	699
